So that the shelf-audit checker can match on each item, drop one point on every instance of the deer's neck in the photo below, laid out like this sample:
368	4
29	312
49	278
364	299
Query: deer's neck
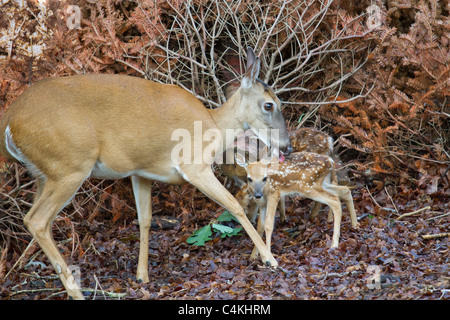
226	118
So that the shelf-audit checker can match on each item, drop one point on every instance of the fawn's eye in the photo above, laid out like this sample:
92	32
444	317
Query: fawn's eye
264	179
249	179
268	106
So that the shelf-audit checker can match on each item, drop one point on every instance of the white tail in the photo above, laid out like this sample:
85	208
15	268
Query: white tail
308	174
109	126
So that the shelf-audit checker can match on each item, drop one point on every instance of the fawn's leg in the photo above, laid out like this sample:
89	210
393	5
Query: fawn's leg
344	193
260	227
315	209
282	209
348	199
252	211
335	206
334	203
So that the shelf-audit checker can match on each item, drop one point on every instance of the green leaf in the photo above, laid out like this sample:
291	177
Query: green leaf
234	233
226	216
222	228
200	236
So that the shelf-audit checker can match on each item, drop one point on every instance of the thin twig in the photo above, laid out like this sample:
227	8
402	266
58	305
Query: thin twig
273	26
439	216
413	212
392	201
35	291
436	235
20	258
373	199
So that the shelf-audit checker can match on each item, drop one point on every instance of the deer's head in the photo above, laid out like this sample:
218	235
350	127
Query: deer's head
259	109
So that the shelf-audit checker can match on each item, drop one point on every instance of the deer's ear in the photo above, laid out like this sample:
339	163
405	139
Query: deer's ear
239	182
252	70
240	159
251	57
265	156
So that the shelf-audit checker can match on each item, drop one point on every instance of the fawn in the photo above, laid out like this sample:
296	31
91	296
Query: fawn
309	140
308	174
302	139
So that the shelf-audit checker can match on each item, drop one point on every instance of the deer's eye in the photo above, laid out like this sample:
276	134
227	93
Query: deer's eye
249	179
268	106
264	179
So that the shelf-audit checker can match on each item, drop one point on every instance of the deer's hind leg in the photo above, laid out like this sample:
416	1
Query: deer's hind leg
344	193
52	197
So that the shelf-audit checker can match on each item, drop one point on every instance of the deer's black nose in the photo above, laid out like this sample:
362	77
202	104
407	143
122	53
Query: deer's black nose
289	149
258	195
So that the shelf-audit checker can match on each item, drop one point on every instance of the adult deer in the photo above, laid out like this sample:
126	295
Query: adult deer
111	126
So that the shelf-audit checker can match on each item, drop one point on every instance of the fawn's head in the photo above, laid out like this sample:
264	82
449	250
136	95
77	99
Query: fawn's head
257	177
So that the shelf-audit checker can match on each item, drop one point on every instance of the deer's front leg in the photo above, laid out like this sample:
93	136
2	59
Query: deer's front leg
142	195
204	179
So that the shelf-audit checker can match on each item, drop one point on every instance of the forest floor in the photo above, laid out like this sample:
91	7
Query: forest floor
385	258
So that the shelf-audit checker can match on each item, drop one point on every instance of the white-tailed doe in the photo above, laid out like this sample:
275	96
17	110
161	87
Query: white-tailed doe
66	129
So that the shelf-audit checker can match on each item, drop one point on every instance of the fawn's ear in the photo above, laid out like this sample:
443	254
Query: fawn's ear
272	158
266	157
277	156
240	159
239	182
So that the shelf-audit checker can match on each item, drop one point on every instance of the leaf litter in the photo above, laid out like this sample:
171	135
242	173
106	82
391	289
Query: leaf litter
406	265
